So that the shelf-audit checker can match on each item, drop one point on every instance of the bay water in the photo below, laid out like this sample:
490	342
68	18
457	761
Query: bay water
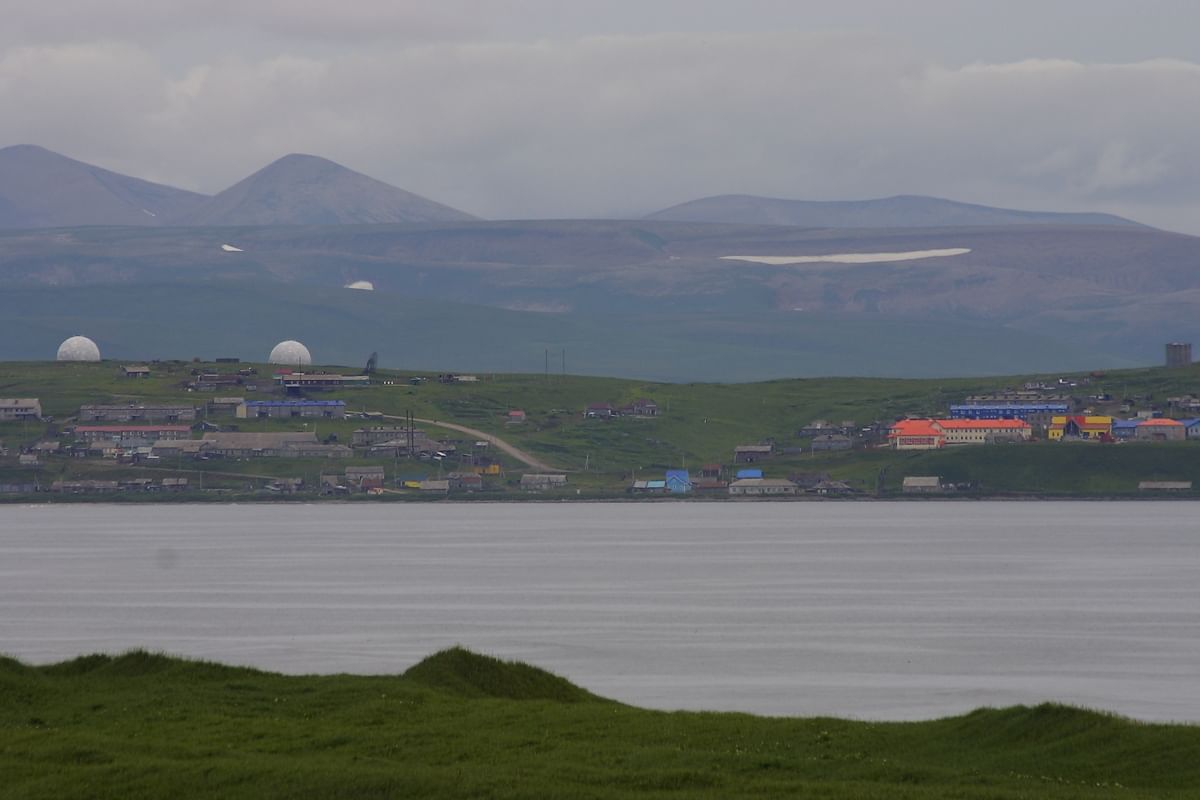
897	610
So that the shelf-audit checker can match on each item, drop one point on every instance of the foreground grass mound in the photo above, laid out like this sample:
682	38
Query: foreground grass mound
463	725
467	674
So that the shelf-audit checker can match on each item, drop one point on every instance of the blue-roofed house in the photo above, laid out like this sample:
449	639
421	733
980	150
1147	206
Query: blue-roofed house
1192	426
1124	428
743	474
678	481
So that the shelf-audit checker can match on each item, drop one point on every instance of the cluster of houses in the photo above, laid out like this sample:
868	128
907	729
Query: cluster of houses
744	482
931	434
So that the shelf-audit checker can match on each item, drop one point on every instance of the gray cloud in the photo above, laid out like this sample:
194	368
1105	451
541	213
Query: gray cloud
577	126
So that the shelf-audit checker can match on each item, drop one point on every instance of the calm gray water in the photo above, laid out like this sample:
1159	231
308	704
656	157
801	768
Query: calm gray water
870	610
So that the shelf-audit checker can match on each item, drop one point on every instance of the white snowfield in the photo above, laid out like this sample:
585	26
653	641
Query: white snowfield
228	248
365	286
852	258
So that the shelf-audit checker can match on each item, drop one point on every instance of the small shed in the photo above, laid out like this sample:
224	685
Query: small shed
749	453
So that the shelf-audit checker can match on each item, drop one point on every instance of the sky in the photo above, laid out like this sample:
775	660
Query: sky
550	108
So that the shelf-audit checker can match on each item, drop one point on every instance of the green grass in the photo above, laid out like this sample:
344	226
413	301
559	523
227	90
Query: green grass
463	725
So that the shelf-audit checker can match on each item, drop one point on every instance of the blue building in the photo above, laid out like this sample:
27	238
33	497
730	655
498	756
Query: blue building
1024	411
678	481
749	473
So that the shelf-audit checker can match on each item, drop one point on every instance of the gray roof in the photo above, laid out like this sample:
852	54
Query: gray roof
922	480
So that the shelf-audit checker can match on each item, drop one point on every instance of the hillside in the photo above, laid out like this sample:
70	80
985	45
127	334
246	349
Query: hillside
902	211
42	189
1063	296
462	725
306	190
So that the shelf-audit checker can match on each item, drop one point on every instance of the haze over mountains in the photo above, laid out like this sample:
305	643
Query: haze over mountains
42	189
856	289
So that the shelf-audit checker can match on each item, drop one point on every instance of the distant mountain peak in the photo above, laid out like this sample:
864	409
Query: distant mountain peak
303	189
40	188
897	211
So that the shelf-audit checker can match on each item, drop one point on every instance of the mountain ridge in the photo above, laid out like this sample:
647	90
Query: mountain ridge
40	188
896	211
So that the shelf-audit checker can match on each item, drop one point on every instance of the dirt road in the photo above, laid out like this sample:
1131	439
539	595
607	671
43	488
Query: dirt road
527	459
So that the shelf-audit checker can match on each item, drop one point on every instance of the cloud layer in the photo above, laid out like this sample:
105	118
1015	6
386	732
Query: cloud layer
622	124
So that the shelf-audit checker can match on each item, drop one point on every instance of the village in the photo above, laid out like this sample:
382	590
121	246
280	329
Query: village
284	431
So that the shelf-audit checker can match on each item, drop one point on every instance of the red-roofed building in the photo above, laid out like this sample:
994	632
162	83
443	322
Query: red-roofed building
1160	429
916	434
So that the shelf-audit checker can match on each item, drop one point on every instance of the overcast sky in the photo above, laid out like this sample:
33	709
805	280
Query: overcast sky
552	108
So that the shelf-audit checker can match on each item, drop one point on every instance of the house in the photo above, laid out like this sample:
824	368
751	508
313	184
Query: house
257	445
1192	426
599	411
20	409
138	371
808	480
537	481
465	481
1080	427
137	413
711	471
1038	414
921	484
983	431
678	481
225	405
1124	429
95	433
1160	429
916	434
831	441
756	487
174	484
832	488
648	487
364	478
435	486
515	417
179	448
641	407
1164	486
326	409
293	382
750	453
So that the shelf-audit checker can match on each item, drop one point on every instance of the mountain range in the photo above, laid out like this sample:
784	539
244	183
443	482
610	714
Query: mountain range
42	189
902	286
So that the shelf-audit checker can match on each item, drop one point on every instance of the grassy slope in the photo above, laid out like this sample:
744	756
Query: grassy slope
461	725
700	423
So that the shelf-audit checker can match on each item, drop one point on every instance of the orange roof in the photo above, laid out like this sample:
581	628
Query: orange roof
1160	421
983	424
915	427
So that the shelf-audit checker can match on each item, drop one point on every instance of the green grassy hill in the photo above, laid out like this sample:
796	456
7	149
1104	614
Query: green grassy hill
463	725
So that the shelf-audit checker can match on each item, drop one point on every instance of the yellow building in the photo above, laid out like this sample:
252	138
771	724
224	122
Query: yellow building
1079	427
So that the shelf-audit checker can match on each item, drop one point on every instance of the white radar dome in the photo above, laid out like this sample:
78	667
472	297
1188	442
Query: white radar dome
78	348
290	354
